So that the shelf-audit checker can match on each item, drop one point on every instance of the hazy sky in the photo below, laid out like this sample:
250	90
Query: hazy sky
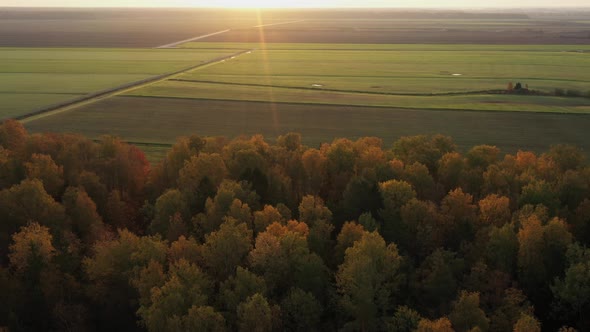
296	3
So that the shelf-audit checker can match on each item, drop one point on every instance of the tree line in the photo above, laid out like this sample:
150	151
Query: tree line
250	236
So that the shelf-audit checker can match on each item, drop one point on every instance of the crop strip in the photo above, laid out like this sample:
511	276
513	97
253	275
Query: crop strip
93	97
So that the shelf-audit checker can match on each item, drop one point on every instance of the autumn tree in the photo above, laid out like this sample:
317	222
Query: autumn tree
440	325
514	303
318	217
200	177
12	135
315	166
494	210
566	157
227	248
420	178
581	223
572	188
421	221
404	319
32	249
165	175
539	192
394	194
451	167
247	160
368	222
281	255
81	210
203	318
218	207
423	149
237	289
436	280
31	256
557	239
95	189
340	166
267	216
122	167
300	311
255	314
459	216
349	234
360	195
187	249
467	315
531	268
25	202
186	288
167	205
42	167
10	169
572	291
527	323
119	213
503	248
368	279
110	270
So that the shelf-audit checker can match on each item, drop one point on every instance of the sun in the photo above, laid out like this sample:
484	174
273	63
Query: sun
257	4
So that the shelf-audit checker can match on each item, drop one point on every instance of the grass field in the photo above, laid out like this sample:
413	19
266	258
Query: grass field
406	68
362	90
164	119
330	74
480	102
402	76
33	78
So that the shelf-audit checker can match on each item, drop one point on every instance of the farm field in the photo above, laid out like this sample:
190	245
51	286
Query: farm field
400	28
164	119
375	90
133	27
325	74
420	69
31	78
477	102
122	28
401	76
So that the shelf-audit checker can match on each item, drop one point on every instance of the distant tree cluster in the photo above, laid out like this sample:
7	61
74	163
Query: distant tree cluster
249	236
519	88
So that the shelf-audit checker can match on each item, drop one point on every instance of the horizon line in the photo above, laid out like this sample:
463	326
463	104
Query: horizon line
557	7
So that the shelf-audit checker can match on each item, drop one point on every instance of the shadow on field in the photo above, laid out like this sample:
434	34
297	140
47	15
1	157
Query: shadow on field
161	120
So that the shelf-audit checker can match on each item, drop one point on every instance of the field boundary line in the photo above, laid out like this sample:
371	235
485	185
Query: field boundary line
409	94
280	23
361	106
99	95
173	45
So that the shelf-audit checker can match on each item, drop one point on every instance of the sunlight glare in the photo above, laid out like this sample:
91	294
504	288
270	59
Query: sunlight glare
247	4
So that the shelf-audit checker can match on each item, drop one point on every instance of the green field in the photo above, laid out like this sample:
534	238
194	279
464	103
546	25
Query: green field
162	120
389	47
406	68
481	102
449	77
345	90
32	78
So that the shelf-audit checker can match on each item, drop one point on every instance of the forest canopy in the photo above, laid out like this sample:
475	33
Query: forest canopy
247	235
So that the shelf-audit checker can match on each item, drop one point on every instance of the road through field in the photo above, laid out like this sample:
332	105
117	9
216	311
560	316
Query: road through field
94	97
280	23
175	44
